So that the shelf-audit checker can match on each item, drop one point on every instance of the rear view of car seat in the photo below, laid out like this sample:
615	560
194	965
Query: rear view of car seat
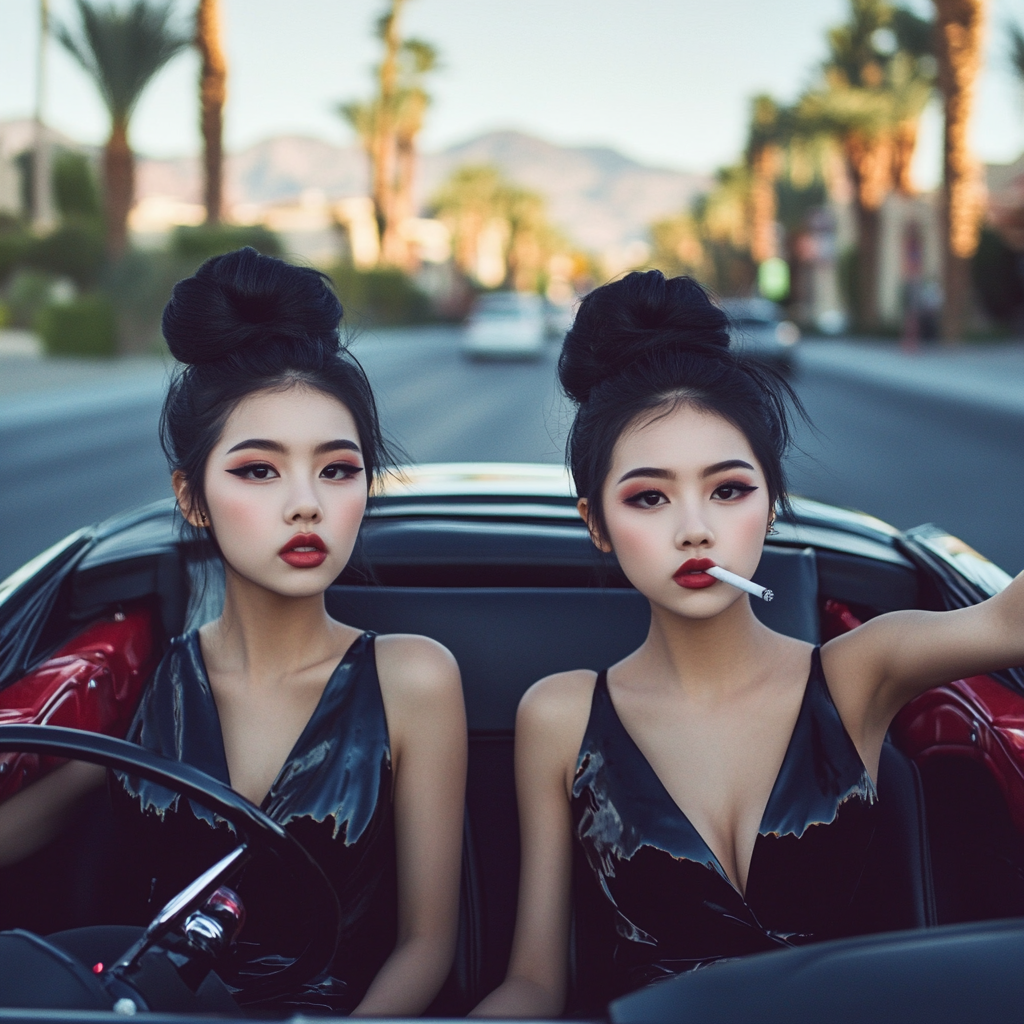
505	639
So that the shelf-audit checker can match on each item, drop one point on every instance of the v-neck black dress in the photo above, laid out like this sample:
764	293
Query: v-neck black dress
670	904
333	794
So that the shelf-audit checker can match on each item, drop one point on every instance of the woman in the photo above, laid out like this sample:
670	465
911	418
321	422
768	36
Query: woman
356	743
718	784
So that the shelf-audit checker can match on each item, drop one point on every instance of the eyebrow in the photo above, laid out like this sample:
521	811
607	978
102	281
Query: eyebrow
264	445
720	467
667	474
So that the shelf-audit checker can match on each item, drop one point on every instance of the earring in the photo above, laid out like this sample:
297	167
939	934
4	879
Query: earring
771	531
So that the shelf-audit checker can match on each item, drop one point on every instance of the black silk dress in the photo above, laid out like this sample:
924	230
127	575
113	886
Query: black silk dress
333	794
661	892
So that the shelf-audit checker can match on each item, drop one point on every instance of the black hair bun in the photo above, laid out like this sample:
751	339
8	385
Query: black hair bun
641	315
244	299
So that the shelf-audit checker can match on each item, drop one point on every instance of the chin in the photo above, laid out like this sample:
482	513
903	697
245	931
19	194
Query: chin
698	604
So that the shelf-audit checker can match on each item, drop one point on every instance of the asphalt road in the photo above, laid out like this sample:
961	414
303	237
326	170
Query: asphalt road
80	453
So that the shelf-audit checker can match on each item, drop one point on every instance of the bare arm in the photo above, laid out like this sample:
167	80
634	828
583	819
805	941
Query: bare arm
888	661
427	725
549	730
36	814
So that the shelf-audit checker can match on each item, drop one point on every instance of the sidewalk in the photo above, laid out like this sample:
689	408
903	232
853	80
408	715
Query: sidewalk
988	376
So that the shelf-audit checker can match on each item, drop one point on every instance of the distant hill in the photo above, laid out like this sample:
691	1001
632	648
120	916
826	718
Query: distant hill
599	197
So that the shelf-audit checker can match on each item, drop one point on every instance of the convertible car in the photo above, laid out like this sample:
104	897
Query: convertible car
492	561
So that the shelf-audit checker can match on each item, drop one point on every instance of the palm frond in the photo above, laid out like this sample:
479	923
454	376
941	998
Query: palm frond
122	48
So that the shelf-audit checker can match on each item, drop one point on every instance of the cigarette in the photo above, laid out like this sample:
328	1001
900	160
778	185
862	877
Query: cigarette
739	582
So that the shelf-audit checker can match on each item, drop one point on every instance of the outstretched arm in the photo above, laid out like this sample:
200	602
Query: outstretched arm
891	659
427	727
549	730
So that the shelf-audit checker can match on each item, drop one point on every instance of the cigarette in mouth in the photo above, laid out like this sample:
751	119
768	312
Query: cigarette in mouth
739	582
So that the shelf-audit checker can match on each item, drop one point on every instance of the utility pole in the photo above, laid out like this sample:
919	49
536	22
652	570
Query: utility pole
42	205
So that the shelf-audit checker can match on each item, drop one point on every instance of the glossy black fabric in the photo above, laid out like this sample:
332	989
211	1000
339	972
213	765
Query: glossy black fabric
333	794
673	908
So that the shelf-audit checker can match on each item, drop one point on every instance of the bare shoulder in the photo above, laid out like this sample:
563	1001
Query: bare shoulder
556	708
416	668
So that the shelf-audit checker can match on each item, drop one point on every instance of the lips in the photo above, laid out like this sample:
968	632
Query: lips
304	551
691	574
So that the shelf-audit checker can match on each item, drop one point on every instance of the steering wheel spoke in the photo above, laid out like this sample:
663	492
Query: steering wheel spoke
181	906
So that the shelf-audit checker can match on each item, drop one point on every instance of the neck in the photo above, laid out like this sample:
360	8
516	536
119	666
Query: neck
265	634
708	657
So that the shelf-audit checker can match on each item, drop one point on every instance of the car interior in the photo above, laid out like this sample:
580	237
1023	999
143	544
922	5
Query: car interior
514	600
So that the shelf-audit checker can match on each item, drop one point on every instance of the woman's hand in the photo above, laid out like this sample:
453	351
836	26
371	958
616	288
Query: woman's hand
426	718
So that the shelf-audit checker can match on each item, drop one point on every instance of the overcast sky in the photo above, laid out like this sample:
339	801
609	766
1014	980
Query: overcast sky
664	81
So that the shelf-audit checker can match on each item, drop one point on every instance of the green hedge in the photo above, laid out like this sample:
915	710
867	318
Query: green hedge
382	297
85	327
206	240
997	277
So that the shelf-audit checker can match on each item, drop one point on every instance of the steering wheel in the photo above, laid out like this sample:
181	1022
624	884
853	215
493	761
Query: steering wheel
259	834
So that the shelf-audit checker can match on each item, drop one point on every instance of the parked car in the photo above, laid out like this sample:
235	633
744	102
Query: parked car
506	325
759	329
493	561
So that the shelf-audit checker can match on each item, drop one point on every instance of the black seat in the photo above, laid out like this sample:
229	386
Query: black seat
505	639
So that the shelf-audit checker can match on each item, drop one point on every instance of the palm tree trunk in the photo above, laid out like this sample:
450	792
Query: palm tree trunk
870	162
904	144
213	76
959	33
384	150
118	186
763	214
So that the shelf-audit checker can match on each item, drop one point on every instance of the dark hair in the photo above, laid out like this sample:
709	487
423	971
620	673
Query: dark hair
643	343
244	323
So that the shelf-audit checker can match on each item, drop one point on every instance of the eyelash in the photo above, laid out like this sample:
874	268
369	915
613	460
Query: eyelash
247	472
636	500
734	485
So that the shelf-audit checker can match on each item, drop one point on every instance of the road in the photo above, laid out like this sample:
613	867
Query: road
79	454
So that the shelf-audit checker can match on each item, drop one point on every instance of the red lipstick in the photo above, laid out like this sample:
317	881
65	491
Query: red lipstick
691	574
304	551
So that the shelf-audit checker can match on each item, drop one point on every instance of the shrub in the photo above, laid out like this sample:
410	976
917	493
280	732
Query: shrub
996	273
13	245
84	327
74	250
199	243
28	292
75	189
383	297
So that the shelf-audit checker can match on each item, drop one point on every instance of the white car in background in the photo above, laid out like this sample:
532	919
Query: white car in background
506	325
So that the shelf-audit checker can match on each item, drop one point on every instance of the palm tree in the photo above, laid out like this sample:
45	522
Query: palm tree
412	101
876	84
121	50
213	75
766	135
384	153
959	34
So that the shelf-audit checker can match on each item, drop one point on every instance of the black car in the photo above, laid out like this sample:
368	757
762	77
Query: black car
493	561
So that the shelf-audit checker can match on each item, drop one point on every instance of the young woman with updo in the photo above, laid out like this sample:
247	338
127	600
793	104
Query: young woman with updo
354	743
717	785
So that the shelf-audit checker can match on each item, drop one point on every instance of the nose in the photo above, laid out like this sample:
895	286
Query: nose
303	506
692	529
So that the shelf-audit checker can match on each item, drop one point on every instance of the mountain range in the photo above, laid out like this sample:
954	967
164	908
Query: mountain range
599	197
